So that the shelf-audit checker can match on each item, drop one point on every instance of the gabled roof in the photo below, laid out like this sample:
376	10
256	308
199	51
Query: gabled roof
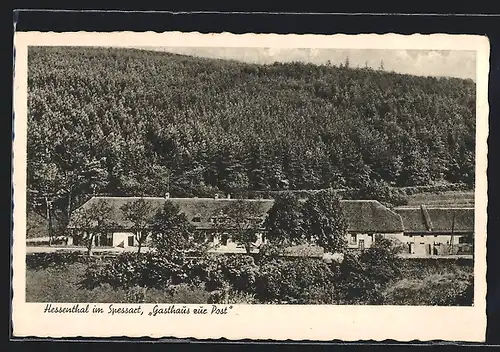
363	216
440	220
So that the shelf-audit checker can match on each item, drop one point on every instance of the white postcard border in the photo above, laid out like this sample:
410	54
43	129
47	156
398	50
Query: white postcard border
348	323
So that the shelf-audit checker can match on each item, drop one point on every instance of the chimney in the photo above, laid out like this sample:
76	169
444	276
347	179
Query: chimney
167	195
229	196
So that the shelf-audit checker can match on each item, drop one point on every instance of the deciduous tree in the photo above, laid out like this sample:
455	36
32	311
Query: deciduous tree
93	221
171	231
242	220
283	223
324	221
140	214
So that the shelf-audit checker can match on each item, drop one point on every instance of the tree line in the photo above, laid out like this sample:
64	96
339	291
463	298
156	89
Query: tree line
134	122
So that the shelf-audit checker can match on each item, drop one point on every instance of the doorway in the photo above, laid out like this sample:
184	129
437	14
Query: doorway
361	244
130	241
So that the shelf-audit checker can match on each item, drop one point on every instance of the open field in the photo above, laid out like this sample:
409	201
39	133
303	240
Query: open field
63	285
445	199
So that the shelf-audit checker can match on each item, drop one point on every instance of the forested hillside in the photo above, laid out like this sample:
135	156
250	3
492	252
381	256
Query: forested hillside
132	122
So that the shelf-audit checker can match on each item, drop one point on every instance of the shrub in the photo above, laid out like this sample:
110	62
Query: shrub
238	297
381	262
136	294
188	294
439	290
227	295
369	277
156	271
238	270
129	269
290	279
365	275
59	260
355	285
381	191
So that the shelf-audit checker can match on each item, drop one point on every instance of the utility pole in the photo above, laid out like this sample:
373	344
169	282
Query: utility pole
168	181
452	232
48	205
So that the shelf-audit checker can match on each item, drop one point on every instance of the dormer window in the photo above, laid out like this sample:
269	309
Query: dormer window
196	218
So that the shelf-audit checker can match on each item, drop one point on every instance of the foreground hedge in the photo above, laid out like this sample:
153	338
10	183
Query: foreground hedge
269	279
61	260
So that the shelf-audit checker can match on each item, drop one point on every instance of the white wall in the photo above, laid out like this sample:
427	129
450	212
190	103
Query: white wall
354	239
232	246
431	243
120	239
370	240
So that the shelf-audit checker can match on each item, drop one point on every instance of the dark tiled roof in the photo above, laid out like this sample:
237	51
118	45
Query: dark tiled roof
364	216
441	219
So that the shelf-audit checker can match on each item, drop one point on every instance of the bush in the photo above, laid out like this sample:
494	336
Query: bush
435	290
227	295
237	270
365	275
381	191
58	260
290	279
356	285
381	261
155	271
130	269
373	276
187	294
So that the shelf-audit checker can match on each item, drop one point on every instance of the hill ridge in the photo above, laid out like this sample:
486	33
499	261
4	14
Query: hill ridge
129	121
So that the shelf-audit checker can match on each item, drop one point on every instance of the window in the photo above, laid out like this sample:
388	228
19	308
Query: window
109	240
466	239
353	239
224	239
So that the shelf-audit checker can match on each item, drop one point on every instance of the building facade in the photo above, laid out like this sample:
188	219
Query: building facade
437	230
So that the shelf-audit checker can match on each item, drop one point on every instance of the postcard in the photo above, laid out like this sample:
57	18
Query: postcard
250	186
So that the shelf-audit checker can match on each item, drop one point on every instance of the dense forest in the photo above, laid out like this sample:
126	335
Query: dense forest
134	122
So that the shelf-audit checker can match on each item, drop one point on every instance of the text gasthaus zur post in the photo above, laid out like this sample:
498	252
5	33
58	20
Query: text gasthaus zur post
113	309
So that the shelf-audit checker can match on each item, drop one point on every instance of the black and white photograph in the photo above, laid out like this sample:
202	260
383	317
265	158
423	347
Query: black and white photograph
172	176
